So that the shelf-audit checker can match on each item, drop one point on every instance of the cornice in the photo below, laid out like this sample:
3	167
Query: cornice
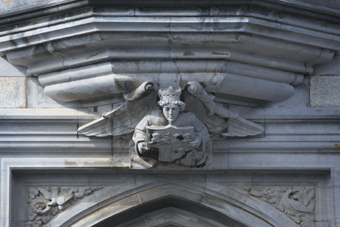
14	11
54	131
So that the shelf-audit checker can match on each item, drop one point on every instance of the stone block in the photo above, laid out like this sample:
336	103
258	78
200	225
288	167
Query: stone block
12	92
38	99
6	69
324	91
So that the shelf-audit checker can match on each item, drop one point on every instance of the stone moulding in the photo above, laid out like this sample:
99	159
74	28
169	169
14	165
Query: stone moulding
64	124
242	54
220	77
11	164
237	207
122	43
44	203
323	10
172	216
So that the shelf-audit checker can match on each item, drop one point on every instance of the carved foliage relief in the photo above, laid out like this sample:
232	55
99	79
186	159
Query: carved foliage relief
46	202
298	203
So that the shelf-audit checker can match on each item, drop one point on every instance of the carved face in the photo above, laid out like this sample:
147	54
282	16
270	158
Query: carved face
170	112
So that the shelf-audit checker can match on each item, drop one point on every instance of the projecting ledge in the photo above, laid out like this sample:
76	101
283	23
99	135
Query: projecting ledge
46	113
289	114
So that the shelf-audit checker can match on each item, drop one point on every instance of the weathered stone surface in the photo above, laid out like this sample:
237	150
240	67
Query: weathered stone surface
6	69
179	134
244	56
299	99
223	194
38	99
331	68
18	6
12	92
75	64
324	91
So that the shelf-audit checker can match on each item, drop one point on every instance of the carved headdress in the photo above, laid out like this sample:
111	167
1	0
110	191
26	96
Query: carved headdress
171	95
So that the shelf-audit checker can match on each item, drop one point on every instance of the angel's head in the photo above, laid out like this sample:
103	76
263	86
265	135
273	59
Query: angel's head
170	102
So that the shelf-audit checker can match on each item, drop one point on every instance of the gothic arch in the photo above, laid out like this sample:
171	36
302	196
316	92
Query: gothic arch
172	216
223	205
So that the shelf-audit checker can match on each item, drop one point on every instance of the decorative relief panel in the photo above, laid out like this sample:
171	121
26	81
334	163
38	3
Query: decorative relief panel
178	129
46	202
296	202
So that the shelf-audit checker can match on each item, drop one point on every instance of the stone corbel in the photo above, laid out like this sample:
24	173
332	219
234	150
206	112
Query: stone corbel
242	55
216	57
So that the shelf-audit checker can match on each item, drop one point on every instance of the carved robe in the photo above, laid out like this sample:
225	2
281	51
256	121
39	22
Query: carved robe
156	118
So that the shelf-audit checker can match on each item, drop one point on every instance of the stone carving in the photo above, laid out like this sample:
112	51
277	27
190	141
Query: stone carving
173	136
45	202
296	202
180	133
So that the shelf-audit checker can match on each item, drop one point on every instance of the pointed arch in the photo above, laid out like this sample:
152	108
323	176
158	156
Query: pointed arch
174	216
222	205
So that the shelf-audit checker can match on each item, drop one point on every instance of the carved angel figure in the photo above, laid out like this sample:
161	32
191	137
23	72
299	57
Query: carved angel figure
172	114
180	132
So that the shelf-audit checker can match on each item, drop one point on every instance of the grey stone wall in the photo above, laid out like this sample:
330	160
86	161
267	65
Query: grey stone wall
13	92
287	176
324	91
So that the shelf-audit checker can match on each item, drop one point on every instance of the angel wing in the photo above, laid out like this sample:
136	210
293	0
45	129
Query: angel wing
214	123
214	115
125	115
241	127
115	122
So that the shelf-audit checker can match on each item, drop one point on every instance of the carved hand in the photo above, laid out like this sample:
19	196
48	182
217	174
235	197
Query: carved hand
141	145
196	143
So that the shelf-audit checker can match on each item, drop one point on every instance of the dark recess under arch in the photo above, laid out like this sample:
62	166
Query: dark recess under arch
165	202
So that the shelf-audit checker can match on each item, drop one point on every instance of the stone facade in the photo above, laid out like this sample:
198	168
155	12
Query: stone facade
143	113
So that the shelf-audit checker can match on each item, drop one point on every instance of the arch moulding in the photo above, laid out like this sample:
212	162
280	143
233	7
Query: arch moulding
108	205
